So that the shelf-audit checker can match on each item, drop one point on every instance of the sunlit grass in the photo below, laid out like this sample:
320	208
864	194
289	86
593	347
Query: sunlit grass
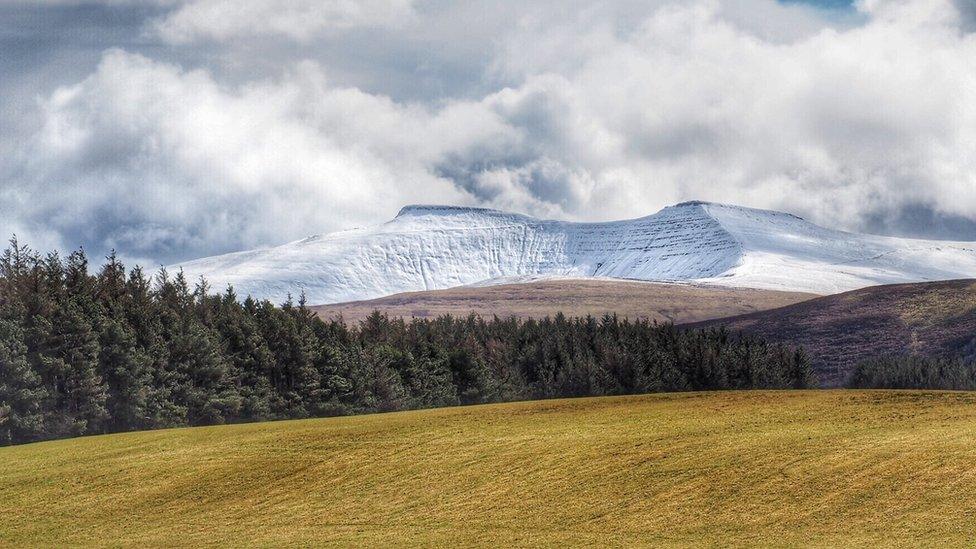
822	468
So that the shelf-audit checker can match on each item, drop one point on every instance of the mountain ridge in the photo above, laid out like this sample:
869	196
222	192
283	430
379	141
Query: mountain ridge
428	247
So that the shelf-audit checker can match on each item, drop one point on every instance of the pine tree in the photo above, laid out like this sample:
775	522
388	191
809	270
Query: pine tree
469	375
800	373
21	393
82	395
125	370
203	385
334	367
248	354
143	316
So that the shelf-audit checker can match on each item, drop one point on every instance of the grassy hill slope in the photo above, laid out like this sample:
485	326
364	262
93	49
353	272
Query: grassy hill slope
662	302
815	468
930	318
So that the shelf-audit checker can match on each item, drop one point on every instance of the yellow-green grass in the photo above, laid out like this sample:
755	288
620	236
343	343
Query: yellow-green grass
812	468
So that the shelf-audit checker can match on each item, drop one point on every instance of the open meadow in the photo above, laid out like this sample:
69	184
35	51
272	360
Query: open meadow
781	468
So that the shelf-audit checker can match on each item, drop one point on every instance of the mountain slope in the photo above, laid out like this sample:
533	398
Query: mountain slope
679	303
436	247
933	318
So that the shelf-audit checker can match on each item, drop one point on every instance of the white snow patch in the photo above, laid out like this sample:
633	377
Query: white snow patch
436	247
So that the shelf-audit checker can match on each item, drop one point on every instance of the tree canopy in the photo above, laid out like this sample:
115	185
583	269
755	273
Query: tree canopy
85	352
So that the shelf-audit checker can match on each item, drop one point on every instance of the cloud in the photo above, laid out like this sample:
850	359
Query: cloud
860	121
56	3
302	20
967	12
166	163
839	125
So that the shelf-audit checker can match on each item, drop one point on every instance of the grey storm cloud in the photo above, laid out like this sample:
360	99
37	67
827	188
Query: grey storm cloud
175	129
967	11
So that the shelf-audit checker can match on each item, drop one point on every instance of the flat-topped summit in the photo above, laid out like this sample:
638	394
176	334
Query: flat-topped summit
709	206
689	203
452	210
434	247
439	209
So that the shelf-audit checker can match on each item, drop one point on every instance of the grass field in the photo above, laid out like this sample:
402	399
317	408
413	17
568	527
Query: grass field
815	468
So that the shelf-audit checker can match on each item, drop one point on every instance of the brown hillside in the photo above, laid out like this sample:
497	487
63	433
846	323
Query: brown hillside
677	303
930	318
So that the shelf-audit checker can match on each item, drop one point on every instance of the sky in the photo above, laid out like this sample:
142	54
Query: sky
175	129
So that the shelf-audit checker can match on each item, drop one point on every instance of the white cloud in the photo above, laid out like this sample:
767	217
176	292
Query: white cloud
838	125
606	115
302	20
150	158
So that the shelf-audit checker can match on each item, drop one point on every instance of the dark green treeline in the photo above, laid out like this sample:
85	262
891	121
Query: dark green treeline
914	372
114	350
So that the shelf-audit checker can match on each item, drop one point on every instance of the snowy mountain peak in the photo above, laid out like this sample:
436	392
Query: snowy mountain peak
695	203
431	247
435	209
717	208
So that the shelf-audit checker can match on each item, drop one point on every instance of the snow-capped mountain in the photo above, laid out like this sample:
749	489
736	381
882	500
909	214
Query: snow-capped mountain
435	247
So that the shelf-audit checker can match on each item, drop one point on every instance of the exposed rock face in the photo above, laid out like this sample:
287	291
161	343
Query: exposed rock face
435	247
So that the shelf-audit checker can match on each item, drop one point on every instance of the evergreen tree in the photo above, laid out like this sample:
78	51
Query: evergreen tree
125	369
80	392
21	393
83	353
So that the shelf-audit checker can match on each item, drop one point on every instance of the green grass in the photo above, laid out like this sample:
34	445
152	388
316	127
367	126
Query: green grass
813	468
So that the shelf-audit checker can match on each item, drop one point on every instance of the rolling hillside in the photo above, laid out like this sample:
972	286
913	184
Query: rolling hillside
678	303
811	468
439	247
933	318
